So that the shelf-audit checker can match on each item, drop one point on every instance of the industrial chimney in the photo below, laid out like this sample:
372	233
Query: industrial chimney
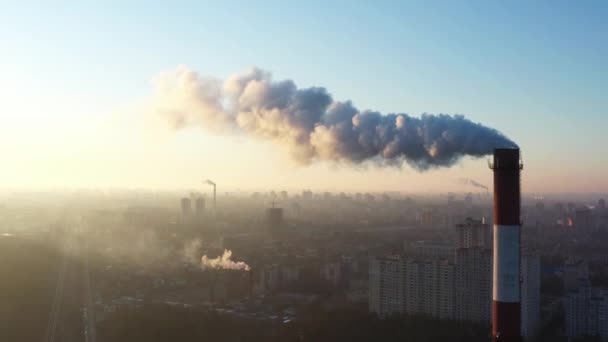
506	312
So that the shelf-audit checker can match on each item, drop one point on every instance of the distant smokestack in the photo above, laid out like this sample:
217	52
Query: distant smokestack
212	183
506	310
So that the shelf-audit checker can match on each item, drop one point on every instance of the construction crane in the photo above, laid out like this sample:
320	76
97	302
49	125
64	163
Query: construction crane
214	193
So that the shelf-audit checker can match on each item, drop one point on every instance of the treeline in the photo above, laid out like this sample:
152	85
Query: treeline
27	281
164	323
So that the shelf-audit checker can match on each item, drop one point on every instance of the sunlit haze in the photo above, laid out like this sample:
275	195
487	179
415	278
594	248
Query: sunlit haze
77	89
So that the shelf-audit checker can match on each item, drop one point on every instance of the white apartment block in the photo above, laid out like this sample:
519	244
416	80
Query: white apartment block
530	296
386	285
473	285
429	288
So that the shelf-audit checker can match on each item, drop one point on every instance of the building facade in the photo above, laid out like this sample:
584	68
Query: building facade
473	285
386	285
473	233
586	312
429	288
530	296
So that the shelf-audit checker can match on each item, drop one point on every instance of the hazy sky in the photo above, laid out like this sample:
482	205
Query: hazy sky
76	79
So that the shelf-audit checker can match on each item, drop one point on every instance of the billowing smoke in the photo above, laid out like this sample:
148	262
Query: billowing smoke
189	253
468	181
315	127
223	261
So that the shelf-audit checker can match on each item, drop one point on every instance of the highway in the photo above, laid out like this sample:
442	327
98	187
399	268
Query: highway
58	297
72	313
90	333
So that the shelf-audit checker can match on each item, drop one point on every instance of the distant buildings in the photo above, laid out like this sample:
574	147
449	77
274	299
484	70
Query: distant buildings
307	195
199	206
274	220
468	201
186	205
473	233
583	219
192	206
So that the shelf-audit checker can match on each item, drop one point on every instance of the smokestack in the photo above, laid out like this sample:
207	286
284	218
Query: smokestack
506	310
212	183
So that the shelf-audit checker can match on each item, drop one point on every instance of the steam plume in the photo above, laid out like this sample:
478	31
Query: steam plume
315	127
473	183
223	261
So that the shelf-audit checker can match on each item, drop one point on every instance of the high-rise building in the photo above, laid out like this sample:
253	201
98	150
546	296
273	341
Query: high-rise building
307	195
530	296
386	285
186	205
473	285
199	206
429	288
274	219
583	220
473	233
575	272
601	204
435	288
586	312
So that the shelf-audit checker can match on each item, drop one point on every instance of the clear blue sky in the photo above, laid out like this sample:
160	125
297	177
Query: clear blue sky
536	70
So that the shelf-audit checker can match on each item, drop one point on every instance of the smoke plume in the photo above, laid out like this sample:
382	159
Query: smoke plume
468	181
315	127
223	261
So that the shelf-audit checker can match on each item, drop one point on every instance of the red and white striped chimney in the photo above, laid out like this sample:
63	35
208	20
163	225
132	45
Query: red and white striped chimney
506	273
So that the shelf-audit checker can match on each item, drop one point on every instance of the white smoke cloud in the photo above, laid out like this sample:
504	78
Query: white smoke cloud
223	261
315	127
189	253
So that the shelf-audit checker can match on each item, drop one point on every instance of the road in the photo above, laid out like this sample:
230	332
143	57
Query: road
90	332
56	306
72	313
